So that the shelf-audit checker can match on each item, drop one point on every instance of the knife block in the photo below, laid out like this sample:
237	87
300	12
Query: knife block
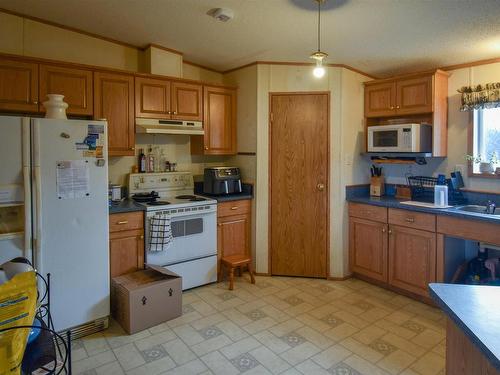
377	186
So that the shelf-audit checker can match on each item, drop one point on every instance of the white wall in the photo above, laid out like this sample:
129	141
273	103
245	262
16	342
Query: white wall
458	123
346	123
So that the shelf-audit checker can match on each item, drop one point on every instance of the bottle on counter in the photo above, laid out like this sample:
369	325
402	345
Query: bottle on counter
150	160
142	161
162	161
167	166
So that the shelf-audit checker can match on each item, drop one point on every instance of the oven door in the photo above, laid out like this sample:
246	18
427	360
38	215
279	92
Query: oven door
194	237
386	139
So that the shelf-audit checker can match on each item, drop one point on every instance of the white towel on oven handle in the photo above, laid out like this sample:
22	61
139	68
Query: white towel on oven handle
160	233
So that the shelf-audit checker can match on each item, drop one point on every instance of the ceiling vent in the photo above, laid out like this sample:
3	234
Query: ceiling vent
222	14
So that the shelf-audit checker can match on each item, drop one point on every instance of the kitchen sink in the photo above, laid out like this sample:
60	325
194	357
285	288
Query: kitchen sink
476	209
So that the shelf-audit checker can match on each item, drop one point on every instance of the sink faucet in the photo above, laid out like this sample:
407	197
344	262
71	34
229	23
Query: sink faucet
490	207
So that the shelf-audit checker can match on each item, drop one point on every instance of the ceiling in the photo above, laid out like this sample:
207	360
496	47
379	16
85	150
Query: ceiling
380	37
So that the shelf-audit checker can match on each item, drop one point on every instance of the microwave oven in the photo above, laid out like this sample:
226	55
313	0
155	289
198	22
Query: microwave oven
400	138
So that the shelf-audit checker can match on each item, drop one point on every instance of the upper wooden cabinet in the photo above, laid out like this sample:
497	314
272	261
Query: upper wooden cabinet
219	123
187	101
74	84
152	98
114	101
414	95
18	86
380	99
415	98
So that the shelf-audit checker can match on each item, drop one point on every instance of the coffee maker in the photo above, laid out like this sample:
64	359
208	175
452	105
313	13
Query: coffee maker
222	180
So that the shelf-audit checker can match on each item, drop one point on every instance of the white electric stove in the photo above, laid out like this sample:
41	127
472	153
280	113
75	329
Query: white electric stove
193	251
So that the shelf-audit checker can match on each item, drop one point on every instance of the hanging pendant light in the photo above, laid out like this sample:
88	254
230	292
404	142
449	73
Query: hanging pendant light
319	70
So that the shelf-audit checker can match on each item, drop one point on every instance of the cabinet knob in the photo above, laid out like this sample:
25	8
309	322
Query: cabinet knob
390	231
132	148
219	225
383	230
206	147
320	187
397	107
169	112
35	102
392	107
141	237
175	112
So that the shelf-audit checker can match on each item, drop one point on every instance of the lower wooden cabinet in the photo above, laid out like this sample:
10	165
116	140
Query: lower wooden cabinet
396	255
233	228
412	259
368	248
126	243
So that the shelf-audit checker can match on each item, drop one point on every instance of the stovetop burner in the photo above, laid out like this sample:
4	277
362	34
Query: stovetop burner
158	203
191	198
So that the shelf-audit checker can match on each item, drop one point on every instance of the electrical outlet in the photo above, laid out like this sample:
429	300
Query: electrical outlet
460	168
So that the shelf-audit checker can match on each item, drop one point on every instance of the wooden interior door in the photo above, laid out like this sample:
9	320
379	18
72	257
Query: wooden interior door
412	259
414	95
380	99
187	101
18	86
114	101
219	121
299	183
152	98
368	248
74	84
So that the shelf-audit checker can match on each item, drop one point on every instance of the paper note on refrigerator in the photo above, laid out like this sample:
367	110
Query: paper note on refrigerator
73	179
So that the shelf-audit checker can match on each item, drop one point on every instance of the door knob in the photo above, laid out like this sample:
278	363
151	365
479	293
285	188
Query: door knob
320	187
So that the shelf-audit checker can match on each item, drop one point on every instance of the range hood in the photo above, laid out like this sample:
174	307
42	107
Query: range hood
153	126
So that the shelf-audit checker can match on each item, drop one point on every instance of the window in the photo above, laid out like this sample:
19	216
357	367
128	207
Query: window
485	140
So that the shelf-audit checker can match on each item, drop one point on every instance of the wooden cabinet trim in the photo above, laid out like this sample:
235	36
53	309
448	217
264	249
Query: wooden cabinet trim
469	229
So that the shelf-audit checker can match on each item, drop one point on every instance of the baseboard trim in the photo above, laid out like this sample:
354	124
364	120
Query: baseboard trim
332	278
262	274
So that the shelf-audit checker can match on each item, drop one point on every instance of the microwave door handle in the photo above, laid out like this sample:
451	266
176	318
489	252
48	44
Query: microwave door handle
226	188
239	186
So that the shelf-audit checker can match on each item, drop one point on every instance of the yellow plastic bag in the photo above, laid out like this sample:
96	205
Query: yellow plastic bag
17	308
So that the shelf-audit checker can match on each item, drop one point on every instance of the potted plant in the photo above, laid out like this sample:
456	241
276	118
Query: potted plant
486	165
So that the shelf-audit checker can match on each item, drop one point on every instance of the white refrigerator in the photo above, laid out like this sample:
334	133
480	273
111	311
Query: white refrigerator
54	211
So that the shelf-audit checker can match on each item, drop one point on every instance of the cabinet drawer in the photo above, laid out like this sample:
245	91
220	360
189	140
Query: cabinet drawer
126	221
365	211
411	219
233	208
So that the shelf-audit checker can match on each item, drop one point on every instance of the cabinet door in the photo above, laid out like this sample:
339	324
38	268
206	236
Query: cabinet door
368	248
74	84
414	95
18	86
126	252
412	259
114	101
152	98
233	235
380	99
187	101
219	121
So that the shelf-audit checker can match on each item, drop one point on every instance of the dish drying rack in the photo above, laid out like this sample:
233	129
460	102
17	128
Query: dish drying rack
422	188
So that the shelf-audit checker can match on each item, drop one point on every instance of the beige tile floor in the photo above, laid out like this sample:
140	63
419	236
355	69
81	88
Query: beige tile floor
280	325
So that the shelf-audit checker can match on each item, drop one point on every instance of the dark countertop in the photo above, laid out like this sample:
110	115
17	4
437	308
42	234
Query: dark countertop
392	202
230	197
476	311
126	205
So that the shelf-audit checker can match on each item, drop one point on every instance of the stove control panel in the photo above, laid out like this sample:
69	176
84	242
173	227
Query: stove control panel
160	181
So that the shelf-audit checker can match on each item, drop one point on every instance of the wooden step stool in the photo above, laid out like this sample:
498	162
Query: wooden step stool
236	261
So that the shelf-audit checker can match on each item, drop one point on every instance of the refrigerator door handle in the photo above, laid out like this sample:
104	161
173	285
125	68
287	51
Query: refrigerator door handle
37	218
26	128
